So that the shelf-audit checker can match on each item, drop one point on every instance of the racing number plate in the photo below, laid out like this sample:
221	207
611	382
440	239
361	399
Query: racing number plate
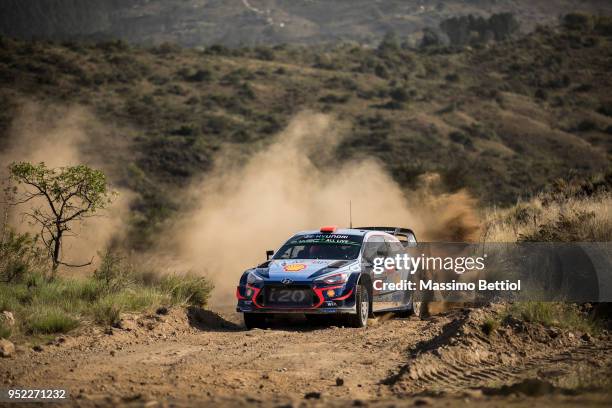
288	297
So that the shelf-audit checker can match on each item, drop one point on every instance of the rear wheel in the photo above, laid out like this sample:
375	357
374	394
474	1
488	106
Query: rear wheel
254	321
362	304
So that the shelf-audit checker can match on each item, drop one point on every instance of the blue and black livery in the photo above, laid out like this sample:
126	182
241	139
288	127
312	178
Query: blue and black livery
324	272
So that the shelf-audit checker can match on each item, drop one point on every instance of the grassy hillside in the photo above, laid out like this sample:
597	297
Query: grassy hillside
501	120
239	22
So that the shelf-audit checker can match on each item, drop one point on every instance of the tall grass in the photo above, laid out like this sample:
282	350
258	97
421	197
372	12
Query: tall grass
59	306
555	314
5	331
45	319
188	289
106	312
569	212
575	219
19	255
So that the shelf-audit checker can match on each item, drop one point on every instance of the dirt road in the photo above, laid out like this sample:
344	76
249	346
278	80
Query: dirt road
188	357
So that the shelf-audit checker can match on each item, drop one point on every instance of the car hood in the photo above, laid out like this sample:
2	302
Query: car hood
299	269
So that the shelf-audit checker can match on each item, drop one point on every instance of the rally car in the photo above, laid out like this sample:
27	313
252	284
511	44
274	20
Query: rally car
327	272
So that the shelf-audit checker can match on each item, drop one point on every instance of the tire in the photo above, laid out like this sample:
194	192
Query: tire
254	321
362	304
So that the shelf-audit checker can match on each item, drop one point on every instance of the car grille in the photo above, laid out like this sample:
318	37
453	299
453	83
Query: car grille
287	296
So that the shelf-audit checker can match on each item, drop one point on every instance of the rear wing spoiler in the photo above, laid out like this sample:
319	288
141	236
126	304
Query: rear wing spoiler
405	235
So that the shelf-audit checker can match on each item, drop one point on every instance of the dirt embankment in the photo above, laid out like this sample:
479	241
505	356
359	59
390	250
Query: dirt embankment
187	357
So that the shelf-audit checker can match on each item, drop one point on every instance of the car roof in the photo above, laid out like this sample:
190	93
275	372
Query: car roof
344	231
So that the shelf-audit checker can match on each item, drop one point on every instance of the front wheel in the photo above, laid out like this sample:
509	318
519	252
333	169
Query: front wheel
254	321
362	304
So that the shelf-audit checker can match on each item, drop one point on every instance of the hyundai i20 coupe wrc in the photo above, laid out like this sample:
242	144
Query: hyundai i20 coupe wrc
329	272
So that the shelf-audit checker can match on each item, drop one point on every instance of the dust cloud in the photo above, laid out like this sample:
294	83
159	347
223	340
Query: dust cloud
59	136
247	208
242	208
446	217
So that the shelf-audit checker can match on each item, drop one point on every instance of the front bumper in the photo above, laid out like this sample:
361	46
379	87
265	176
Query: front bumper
327	299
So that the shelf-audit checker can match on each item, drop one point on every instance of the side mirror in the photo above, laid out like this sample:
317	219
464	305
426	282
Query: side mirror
269	254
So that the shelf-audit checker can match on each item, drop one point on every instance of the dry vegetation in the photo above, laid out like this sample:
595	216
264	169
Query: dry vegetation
42	306
568	211
501	120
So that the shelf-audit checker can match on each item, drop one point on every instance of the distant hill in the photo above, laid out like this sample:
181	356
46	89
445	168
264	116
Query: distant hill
266	22
501	120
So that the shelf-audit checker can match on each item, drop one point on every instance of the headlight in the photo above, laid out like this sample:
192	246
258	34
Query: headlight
336	279
253	278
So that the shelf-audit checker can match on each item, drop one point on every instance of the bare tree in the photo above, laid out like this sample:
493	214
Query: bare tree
58	199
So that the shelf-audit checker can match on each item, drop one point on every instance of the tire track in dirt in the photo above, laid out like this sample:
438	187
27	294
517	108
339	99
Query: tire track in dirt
462	357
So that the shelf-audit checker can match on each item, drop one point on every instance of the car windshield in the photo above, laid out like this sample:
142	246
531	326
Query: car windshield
321	246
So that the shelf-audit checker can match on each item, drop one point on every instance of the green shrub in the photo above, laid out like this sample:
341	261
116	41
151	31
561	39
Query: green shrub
171	289
187	289
578	21
217	49
452	78
563	315
68	294
113	46
605	109
19	256
8	297
586	125
87	290
111	271
5	331
264	53
201	75
12	296
47	307
139	298
489	326
166	49
604	25
106	312
541	94
399	95
461	138
49	320
333	98
185	130
381	71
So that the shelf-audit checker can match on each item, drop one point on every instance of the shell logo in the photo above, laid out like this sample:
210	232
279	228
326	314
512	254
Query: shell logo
294	267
